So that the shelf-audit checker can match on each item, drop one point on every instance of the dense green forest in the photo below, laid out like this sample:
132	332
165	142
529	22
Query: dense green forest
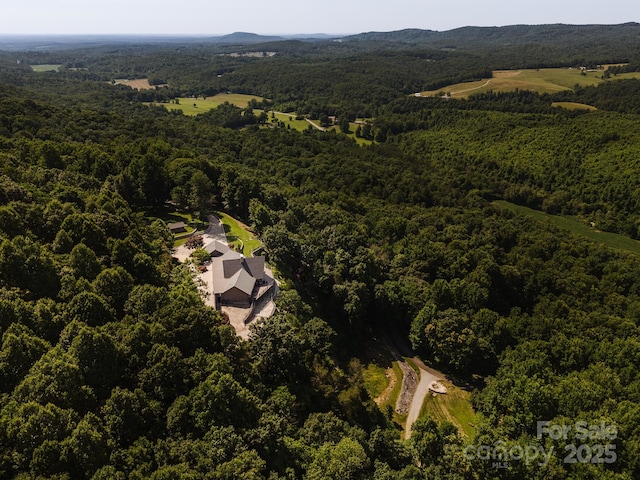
111	365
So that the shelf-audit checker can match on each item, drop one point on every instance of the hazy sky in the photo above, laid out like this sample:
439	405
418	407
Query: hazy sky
297	16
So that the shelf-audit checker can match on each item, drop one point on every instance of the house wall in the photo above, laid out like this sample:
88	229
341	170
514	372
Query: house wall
235	297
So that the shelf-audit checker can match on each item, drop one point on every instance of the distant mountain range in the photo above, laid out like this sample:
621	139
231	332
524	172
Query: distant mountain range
464	37
504	36
61	42
244	38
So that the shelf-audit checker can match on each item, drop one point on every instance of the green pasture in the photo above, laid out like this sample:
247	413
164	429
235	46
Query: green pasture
238	235
612	240
352	133
543	80
45	68
195	106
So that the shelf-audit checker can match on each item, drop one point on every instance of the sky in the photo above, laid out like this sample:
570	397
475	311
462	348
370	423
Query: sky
215	17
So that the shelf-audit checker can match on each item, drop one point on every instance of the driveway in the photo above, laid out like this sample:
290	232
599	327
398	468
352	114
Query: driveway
215	231
411	394
421	392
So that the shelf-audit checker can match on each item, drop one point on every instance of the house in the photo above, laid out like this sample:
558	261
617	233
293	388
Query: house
236	279
177	227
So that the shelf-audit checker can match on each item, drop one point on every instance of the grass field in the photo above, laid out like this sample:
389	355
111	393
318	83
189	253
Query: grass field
45	68
573	106
544	80
613	240
191	106
238	235
454	406
195	106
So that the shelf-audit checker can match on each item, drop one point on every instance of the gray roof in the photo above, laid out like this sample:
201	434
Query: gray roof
231	266
256	267
217	270
216	248
232	270
176	226
242	281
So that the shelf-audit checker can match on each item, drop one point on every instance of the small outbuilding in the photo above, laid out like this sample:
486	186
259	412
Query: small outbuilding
177	227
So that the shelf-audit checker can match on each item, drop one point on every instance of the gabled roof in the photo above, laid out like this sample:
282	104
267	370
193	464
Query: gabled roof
242	281
233	270
217	269
216	248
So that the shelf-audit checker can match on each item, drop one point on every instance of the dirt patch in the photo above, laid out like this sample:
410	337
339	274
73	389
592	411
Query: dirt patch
139	84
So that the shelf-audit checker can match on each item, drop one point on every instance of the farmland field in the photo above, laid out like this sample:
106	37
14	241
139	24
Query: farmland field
544	80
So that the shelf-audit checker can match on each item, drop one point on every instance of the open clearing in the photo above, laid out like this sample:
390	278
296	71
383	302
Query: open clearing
287	118
383	373
613	240
171	216
383	377
138	84
45	68
573	106
544	80
195	106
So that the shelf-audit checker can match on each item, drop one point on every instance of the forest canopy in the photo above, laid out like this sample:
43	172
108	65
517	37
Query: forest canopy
112	366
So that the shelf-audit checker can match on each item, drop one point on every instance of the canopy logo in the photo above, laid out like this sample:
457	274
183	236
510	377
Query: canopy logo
596	438
500	454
